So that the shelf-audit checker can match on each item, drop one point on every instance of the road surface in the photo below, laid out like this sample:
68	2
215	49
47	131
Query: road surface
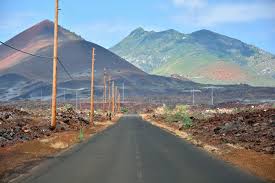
134	151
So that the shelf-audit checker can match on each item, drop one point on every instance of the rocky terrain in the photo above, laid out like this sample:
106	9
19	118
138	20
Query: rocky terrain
250	129
20	125
248	126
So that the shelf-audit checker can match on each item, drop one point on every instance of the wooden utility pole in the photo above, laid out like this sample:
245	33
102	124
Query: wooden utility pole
64	93
118	102
113	97
193	96
104	91
116	97
92	88
212	96
109	93
123	93
76	104
55	54
41	98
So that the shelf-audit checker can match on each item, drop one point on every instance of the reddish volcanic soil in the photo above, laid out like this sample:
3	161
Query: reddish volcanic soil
16	57
224	72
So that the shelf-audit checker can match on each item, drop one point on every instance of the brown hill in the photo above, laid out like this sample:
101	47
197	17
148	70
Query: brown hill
74	52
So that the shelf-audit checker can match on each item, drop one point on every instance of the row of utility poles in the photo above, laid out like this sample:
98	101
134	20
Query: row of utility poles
113	100
193	91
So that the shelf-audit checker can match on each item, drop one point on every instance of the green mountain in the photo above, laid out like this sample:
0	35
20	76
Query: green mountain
202	56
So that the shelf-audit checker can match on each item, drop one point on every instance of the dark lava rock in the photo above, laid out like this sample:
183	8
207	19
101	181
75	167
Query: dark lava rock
228	127
66	120
217	130
83	120
21	124
7	136
24	137
2	131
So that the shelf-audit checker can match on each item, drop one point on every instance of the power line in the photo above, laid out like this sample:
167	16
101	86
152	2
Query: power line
40	56
34	55
64	68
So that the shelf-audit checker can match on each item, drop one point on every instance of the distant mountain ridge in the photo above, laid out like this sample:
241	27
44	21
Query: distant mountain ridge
202	56
24	76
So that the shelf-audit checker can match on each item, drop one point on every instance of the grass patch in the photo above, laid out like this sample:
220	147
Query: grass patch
178	114
124	110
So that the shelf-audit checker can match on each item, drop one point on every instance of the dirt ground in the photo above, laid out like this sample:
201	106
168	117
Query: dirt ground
258	163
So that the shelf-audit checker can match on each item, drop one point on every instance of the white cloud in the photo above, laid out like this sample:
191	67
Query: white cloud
211	15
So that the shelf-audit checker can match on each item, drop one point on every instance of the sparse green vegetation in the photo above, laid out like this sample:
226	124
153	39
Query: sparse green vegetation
171	52
237	110
178	114
124	110
68	106
187	121
81	135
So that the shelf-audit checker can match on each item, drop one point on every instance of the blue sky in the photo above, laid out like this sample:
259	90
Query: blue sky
106	22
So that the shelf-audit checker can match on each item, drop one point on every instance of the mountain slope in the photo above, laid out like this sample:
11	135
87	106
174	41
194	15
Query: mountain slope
202	56
74	51
26	77
32	76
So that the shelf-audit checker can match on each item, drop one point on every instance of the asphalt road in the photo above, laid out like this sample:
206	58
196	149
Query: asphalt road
134	151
